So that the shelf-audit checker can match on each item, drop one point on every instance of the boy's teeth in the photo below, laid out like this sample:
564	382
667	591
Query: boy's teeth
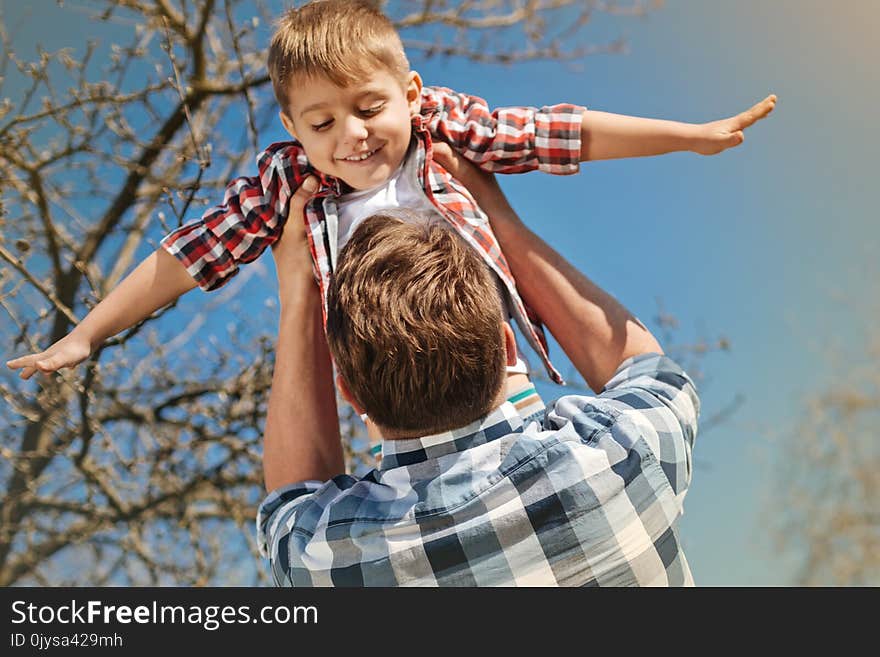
357	158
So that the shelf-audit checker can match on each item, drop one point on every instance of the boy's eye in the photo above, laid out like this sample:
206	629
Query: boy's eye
372	111
321	126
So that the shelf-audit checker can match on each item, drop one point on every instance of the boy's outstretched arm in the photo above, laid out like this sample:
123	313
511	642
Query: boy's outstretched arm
607	136
156	282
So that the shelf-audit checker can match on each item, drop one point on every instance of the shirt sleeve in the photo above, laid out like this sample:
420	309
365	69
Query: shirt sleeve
294	517
665	381
280	504
250	219
650	405
507	139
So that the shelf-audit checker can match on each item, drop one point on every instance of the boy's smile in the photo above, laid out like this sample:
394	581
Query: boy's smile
361	158
359	133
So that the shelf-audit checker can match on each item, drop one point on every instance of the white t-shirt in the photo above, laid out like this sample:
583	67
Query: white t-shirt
400	191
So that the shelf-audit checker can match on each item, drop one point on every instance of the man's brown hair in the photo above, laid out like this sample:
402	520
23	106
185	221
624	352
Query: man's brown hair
414	326
342	40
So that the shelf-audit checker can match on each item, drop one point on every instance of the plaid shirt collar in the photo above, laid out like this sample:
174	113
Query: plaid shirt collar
503	421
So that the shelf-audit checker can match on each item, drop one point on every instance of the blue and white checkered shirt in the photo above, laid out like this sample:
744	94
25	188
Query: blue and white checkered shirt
589	496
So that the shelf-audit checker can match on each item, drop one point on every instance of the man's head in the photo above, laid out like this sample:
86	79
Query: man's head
346	92
414	324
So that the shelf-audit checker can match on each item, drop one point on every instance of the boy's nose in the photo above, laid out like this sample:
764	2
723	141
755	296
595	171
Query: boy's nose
355	130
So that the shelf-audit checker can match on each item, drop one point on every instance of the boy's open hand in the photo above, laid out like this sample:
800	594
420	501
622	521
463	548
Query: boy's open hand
69	351
713	138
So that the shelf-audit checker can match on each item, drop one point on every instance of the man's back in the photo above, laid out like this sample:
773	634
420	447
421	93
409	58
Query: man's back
590	498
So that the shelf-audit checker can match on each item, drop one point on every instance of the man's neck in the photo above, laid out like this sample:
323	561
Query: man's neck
392	434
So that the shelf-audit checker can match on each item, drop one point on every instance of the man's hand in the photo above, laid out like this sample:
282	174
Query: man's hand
482	185
713	138
291	252
69	351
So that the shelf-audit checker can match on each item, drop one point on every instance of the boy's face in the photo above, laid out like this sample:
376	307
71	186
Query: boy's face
359	133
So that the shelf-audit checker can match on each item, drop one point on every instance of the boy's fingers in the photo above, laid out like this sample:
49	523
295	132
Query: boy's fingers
22	361
763	108
49	364
27	373
757	112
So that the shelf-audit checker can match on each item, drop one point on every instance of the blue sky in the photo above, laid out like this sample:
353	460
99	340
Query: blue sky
773	244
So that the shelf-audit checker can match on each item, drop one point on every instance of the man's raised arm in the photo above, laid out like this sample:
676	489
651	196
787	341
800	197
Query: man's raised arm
596	332
302	440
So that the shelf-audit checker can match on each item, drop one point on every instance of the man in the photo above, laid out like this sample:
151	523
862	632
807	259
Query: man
467	493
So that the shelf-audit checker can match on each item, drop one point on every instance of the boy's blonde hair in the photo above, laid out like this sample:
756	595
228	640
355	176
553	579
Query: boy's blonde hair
342	40
414	326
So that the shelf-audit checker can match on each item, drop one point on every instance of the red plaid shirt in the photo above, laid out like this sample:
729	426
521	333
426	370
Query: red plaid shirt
507	140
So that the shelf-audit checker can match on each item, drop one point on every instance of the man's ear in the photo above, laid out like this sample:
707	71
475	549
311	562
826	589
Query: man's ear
414	92
288	124
510	344
345	393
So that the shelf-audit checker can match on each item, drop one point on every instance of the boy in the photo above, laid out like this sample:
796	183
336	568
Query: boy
363	126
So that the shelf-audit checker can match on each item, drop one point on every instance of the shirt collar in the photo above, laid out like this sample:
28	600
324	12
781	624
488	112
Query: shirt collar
502	421
330	186
421	120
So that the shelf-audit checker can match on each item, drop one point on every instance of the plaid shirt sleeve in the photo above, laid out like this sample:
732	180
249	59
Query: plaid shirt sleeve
251	218
508	139
283	514
287	496
649	398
